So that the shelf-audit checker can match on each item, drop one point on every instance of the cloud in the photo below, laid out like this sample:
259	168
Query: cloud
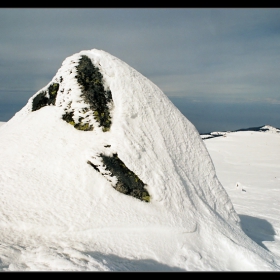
208	54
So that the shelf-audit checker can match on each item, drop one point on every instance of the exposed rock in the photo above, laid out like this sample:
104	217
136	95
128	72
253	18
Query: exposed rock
45	98
93	92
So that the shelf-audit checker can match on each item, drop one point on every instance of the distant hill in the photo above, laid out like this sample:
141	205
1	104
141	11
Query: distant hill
263	128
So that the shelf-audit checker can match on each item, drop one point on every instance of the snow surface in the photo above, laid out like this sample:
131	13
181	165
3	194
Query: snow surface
247	164
59	214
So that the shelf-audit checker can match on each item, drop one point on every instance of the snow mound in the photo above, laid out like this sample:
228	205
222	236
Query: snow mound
269	128
100	171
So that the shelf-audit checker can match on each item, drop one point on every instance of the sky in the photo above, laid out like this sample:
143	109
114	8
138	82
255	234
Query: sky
219	66
143	195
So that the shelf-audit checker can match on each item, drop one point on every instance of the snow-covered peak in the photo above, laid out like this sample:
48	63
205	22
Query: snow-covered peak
146	131
100	160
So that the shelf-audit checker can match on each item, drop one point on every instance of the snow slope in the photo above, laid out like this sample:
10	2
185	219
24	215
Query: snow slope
59	213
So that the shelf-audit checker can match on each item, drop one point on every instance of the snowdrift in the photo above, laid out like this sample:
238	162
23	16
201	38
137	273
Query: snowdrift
101	172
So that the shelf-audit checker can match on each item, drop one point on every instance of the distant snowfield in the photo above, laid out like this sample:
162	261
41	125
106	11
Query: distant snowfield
58	213
248	166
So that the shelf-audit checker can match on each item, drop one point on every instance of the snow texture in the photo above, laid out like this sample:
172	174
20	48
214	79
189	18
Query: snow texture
247	163
57	213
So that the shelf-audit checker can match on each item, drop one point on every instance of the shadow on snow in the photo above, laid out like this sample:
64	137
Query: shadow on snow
257	229
121	264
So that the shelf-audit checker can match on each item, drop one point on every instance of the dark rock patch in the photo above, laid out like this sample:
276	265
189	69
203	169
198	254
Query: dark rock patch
68	117
93	92
128	182
93	165
45	98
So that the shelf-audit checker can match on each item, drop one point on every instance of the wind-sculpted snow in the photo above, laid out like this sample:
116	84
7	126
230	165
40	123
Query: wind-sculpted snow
58	212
